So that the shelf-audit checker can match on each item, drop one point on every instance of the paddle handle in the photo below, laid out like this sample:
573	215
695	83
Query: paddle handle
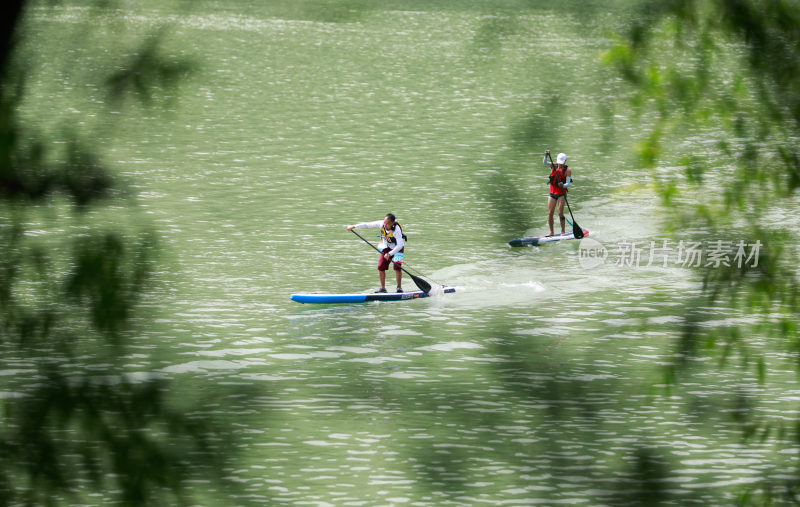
552	164
365	241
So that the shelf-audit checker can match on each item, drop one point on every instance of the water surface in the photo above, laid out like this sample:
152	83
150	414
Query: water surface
539	381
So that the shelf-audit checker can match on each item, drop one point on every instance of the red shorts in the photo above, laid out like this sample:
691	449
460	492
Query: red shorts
383	264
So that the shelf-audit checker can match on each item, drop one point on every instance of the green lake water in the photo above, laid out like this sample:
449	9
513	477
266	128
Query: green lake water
540	381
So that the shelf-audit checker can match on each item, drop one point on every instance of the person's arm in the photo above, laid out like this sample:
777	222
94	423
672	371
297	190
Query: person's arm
569	178
398	236
363	225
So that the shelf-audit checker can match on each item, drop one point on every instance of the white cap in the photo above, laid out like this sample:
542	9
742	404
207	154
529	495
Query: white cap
561	158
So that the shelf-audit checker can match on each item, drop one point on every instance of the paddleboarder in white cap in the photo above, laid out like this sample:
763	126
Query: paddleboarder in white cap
560	179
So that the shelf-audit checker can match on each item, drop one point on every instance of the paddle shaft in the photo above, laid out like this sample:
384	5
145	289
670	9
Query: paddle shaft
576	229
422	284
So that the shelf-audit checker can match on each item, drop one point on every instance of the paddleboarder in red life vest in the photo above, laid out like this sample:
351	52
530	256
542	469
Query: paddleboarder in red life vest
560	179
392	246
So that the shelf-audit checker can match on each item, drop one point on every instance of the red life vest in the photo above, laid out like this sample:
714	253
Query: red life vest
558	175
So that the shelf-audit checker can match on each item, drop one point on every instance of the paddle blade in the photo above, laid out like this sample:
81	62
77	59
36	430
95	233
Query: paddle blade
577	231
422	284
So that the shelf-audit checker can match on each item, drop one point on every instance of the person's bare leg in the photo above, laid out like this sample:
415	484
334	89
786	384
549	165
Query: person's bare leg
551	207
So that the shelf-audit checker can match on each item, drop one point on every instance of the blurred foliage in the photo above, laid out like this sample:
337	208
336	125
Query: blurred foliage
144	71
75	420
728	71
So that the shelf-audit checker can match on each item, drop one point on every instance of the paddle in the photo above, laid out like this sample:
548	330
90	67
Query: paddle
422	284
576	229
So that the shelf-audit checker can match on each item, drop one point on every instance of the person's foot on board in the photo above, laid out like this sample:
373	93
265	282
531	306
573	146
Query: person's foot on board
399	289
381	290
